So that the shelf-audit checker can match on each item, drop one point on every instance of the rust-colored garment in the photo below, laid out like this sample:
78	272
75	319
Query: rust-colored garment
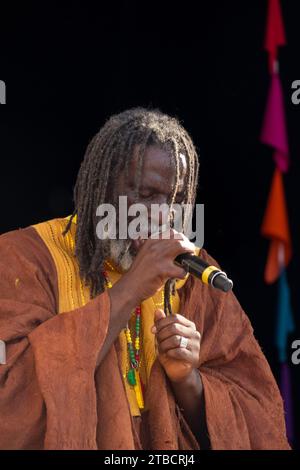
53	397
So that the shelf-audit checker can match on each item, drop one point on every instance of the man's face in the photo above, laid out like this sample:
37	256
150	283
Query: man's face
158	175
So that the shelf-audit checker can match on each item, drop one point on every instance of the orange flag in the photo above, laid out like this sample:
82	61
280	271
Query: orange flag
276	227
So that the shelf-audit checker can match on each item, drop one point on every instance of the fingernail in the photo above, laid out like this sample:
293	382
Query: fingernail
153	329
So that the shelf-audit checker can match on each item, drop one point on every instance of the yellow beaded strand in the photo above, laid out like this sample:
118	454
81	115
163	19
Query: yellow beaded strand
133	375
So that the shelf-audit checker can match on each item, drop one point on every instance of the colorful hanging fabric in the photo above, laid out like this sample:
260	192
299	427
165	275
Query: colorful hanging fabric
274	125
275	34
285	322
275	225
287	394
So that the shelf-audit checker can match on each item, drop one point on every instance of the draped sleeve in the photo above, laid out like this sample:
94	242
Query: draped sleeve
244	409
50	358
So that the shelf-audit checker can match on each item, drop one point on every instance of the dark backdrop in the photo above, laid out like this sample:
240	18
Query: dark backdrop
68	67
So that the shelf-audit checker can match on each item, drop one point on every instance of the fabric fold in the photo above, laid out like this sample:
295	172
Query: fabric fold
52	396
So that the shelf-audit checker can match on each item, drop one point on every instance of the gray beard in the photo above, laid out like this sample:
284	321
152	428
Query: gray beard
121	253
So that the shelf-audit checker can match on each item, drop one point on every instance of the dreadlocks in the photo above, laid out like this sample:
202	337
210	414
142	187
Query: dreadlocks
108	154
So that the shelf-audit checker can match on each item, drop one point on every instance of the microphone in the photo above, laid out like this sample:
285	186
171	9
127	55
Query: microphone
208	274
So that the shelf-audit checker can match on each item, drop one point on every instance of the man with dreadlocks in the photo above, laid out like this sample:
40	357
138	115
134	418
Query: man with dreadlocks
92	359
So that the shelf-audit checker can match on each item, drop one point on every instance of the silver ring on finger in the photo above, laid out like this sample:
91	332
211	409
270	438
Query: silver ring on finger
183	342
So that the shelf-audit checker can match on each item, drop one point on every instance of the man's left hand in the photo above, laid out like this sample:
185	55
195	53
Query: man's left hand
178	362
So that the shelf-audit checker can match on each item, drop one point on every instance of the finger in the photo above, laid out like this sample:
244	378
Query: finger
176	318
173	342
168	240
164	322
182	247
173	234
175	329
167	233
174	247
181	354
177	273
159	314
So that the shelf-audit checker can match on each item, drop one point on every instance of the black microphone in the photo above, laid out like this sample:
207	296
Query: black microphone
208	274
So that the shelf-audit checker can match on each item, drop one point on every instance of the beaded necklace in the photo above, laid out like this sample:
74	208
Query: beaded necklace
133	375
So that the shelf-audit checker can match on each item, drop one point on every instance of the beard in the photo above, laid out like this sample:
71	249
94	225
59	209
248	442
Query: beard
121	253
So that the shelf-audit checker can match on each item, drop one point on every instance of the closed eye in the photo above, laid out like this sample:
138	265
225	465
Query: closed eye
179	198
146	194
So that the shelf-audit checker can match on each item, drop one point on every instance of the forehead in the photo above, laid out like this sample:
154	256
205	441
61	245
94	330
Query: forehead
158	165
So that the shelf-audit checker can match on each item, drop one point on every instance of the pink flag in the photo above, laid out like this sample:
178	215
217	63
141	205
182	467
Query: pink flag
274	126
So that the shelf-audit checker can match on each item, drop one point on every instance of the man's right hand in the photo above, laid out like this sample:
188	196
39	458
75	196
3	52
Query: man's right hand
151	268
154	265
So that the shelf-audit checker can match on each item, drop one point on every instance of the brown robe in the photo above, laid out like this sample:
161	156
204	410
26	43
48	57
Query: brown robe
52	396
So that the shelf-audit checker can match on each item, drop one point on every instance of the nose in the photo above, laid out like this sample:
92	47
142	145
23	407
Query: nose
158	216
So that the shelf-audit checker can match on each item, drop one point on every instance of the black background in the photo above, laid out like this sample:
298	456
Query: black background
68	66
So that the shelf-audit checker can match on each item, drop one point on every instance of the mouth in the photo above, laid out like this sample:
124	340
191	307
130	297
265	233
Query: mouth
137	244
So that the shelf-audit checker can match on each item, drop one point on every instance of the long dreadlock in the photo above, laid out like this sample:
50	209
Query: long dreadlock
108	154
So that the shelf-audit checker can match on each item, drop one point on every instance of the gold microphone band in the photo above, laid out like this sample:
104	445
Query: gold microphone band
207	272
